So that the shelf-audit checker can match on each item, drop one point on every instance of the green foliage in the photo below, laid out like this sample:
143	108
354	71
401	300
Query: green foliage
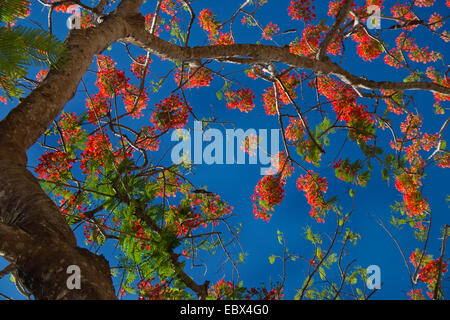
10	10
22	47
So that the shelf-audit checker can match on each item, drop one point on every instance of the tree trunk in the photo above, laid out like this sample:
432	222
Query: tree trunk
33	234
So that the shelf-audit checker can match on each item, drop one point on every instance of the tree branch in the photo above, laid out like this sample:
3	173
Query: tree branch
266	53
340	19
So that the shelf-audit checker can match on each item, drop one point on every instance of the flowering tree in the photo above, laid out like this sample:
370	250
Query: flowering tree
98	168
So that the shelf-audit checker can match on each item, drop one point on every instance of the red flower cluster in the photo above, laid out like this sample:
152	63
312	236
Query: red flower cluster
151	290
72	202
309	42
197	77
264	294
302	10
223	39
443	80
408	183
171	113
134	102
435	21
269	30
184	223
208	22
222	290
41	75
269	192
98	107
110	81
97	148
314	187
70	127
54	166
137	67
159	22
430	270
404	12
170	7
281	165
241	99
148	139
415	53
212	207
394	58
141	233
368	48
424	3
392	107
295	130
290	82
343	100
61	7
443	160
416	294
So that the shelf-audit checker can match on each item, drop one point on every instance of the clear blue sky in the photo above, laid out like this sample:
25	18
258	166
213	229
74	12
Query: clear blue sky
235	183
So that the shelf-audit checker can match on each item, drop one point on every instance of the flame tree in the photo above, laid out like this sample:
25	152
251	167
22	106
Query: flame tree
99	167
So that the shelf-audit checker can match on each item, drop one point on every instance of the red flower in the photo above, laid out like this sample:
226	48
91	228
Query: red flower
98	107
314	187
268	193
368	48
197	77
54	165
97	148
290	82
208	22
270	29
137	67
170	113
133	104
110	81
302	10
241	99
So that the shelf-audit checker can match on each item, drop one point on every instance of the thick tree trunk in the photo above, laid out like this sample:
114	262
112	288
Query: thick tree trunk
33	233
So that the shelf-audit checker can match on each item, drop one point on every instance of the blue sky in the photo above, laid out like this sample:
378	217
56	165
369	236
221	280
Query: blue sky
235	183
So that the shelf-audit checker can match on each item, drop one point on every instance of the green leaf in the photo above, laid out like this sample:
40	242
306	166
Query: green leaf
385	174
280	237
322	273
272	259
10	10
